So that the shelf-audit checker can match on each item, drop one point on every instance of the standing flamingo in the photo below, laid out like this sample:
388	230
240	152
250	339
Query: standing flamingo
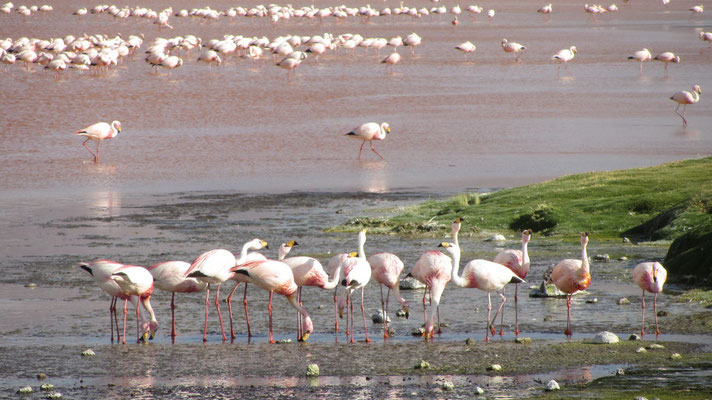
212	267
336	264
391	60
484	275
572	276
684	98
512	47
137	281
563	56
641	56
386	269
434	269
254	244
650	276
101	271
370	131
99	132
171	277
276	276
667	58
518	261
357	273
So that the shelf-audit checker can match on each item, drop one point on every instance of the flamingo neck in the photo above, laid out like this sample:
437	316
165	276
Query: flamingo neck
525	254
243	254
584	271
361	251
456	278
334	281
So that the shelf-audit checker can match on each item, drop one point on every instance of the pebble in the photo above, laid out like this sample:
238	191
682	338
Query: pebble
675	356
662	313
46	387
522	340
654	346
25	390
418	331
548	318
422	365
401	313
620	372
641	350
623	258
592	301
479	391
634	336
546	290
641	398
283	341
604	338
88	353
41	376
626	240
312	370
377	317
30	285
494	367
623	301
552	385
447	386
55	395
602	257
470	342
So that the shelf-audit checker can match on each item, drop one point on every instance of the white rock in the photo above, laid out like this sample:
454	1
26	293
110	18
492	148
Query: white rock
552	385
479	391
604	338
496	238
88	353
411	283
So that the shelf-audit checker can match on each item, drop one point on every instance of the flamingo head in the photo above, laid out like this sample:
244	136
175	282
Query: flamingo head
456	224
386	127
307	328
149	330
451	248
526	235
257	244
697	89
284	248
404	308
584	238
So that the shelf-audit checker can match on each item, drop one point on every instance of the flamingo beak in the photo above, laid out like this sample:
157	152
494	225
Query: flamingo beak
405	310
305	336
144	337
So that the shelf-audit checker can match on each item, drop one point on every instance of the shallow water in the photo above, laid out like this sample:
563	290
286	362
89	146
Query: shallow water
211	158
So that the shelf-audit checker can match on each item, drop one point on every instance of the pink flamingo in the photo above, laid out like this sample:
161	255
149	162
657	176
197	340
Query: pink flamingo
641	56
336	264
512	47
254	244
171	277
650	276
137	281
684	98
276	276
484	275
307	271
370	131
667	58
434	269
572	276
212	267
563	56
101	271
357	274
99	132
518	261
386	269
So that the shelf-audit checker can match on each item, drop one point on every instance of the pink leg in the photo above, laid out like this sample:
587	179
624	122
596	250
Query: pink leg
138	321
98	145
501	317
173	317
568	332
247	316
351	318
385	315
374	150
642	325
336	314
229	308
655	311
299	315
363	315
217	306
123	339
207	307
425	315
87	147
359	152
112	319
489	314
499	310
516	310
269	309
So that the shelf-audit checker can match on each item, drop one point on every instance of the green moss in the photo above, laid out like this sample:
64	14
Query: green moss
690	256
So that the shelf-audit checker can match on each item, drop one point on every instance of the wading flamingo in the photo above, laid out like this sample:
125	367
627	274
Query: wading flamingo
563	56
357	274
518	261
99	132
572	276
667	58
512	47
254	244
369	132
386	269
137	281
391	60
466	48
171	277
485	275
650	276
336	264
684	98
641	56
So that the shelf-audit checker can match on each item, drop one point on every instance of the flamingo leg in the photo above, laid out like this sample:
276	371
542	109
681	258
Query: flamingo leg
363	315
684	121
138	322
642	325
501	316
374	150
247	316
360	150
84	143
299	315
385	315
516	310
655	311
207	305
229	309
425	315
173	317
98	146
113	319
123	339
269	310
336	314
351	311
217	306
501	305
489	314
568	332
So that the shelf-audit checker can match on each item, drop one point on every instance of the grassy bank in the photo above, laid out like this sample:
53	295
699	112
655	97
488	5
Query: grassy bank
644	204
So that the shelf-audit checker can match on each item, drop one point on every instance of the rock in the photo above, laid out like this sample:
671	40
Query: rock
662	313
548	318
284	341
30	285
391	331
410	283
592	301
496	238
401	314
377	317
623	301
675	356
470	342
641	350
88	353
55	395
479	391
523	340
46	387
626	240
422	365
622	258
418	331
640	398
602	257
41	376
25	390
620	372
604	338
547	290
552	385
494	367
654	346
447	386
634	336
312	370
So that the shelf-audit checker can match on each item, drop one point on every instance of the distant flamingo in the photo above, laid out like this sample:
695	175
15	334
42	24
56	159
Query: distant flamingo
667	58
137	281
484	275
698	9
101	271
254	244
512	47
357	274
212	267
684	98
391	60
276	276
547	9
412	41
466	47
386	269
650	276
706	37
563	56
369	132
171	277
518	261
434	269
641	56
99	132
572	276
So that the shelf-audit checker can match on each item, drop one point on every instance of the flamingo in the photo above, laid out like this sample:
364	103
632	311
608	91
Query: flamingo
412	41
698	9
512	47
212	267
667	58
357	273
336	264
391	60
572	276
563	56
518	262
307	271
254	244
386	269
466	47
101	271
434	269
650	276
547	9
171	277
641	56
706	37
370	131
484	275
276	276
99	132
684	98
137	281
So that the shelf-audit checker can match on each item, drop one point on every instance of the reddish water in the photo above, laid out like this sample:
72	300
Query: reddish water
457	123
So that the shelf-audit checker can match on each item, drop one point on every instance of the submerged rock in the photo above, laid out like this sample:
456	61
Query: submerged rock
546	290
410	283
377	317
25	390
623	301
41	376
634	336
620	372
604	338
88	353
401	314
312	370
46	387
418	331
552	385
447	386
